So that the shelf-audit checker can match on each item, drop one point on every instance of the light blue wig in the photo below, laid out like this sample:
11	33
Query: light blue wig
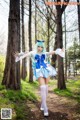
41	44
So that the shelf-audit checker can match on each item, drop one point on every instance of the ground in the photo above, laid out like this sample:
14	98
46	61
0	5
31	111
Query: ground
60	108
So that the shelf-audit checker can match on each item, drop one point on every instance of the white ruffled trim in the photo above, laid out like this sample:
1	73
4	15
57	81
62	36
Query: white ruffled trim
60	52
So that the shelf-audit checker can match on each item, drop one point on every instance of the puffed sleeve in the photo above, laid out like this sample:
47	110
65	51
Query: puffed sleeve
23	55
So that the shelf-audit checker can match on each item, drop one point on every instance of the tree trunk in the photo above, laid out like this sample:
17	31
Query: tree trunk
48	28
24	71
30	42
65	48
54	57
69	69
78	6
61	81
35	22
11	78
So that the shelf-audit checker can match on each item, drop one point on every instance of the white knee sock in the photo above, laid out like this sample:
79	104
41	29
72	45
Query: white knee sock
43	97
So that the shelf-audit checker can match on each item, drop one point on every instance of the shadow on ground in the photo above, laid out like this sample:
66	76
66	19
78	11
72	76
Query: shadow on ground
24	112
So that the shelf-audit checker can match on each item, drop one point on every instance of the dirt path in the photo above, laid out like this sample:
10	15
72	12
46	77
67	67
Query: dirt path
60	108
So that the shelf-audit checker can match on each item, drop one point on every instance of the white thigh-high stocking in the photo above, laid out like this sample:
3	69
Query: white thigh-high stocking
43	98
46	90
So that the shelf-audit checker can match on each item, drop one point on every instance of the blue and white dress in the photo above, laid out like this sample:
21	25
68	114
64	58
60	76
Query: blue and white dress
41	66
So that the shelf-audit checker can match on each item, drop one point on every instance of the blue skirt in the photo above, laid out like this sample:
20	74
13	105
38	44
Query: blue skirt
49	71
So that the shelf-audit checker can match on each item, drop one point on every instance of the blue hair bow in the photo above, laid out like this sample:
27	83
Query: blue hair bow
40	40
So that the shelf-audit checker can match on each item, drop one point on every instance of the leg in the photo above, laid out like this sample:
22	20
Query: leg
43	95
46	82
41	81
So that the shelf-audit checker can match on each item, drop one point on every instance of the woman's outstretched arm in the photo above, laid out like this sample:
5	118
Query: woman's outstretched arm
20	56
58	51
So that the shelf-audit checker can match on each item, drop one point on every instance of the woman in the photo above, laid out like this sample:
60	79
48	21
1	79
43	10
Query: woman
42	69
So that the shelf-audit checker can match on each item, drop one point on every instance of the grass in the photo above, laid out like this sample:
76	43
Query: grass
72	90
18	100
53	82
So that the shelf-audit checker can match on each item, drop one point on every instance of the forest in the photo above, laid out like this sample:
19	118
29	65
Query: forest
22	23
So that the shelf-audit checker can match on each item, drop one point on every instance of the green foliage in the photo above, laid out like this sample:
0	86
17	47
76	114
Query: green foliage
65	92
27	92
19	110
2	61
74	54
74	51
17	99
72	91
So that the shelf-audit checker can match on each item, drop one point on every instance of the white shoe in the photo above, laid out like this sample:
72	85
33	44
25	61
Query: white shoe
41	109
46	114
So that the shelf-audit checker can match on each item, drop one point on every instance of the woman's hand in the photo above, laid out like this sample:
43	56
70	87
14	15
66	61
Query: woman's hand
62	50
16	54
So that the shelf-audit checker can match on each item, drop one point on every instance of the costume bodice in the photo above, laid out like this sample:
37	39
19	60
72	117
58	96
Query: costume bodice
40	61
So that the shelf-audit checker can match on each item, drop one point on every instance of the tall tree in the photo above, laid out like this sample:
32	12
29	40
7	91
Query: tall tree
48	28
24	71
60	9
65	48
11	78
78	6
35	21
30	41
